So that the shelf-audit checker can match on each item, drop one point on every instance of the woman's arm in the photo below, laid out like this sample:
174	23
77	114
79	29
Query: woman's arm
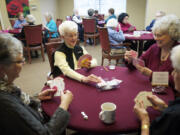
60	61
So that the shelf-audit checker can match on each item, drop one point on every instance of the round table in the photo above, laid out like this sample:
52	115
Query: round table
140	40
88	98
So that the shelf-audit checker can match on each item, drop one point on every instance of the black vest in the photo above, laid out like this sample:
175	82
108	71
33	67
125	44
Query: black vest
78	52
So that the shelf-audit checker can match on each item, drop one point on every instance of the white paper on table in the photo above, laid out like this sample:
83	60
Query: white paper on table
59	83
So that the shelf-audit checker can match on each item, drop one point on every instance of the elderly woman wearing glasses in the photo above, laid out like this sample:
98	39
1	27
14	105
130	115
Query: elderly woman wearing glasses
166	32
67	56
168	122
21	114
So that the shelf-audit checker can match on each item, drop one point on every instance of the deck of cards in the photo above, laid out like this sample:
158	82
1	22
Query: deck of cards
108	85
58	84
142	96
84	59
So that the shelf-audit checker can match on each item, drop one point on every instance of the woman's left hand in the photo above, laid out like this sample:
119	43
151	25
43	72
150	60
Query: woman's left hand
46	94
144	70
141	112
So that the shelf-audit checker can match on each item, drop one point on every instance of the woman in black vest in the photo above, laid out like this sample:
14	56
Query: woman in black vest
66	57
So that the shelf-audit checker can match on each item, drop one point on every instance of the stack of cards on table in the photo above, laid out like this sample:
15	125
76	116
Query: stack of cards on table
83	59
142	96
108	85
58	84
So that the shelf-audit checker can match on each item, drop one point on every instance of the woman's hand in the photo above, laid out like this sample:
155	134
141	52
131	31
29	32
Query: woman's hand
66	99
46	94
158	104
141	112
144	70
131	28
91	78
128	57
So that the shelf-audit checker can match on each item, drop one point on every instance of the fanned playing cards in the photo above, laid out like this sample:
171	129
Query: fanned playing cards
83	59
58	84
142	96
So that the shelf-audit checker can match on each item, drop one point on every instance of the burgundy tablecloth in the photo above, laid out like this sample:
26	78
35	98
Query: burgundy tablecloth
88	99
15	31
145	36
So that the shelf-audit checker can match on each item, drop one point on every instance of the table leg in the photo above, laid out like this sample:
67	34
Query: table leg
140	48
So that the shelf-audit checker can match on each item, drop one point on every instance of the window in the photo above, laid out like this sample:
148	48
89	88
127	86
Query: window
101	5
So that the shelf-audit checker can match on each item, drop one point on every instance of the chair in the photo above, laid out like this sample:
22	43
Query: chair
33	37
106	49
51	48
90	30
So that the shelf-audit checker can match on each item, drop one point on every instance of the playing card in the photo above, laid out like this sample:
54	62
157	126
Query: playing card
83	59
142	96
134	54
57	84
137	61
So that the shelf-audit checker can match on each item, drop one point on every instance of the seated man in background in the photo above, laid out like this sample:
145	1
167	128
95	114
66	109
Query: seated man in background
115	37
77	19
66	57
159	14
147	44
20	22
111	15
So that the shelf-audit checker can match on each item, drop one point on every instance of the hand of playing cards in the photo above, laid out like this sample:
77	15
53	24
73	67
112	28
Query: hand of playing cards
142	96
85	61
57	83
108	85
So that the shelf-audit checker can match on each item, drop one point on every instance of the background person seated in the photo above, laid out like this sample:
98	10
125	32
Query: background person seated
77	19
21	114
111	15
125	25
51	27
159	14
67	56
20	22
168	122
115	37
166	32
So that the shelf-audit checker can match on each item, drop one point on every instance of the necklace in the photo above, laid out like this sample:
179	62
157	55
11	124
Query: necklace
164	57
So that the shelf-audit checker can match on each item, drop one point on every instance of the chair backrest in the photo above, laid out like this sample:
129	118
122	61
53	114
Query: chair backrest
89	25
104	39
51	48
33	34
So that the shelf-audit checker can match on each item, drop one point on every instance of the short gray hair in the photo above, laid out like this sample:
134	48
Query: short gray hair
168	24
30	18
48	15
90	12
10	48
112	23
175	57
67	27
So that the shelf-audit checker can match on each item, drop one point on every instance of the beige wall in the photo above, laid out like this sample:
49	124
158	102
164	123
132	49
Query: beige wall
65	8
170	7
136	10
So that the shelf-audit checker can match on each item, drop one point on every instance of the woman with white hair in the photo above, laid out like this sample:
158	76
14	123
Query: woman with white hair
168	122
51	27
67	56
115	37
21	114
166	32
